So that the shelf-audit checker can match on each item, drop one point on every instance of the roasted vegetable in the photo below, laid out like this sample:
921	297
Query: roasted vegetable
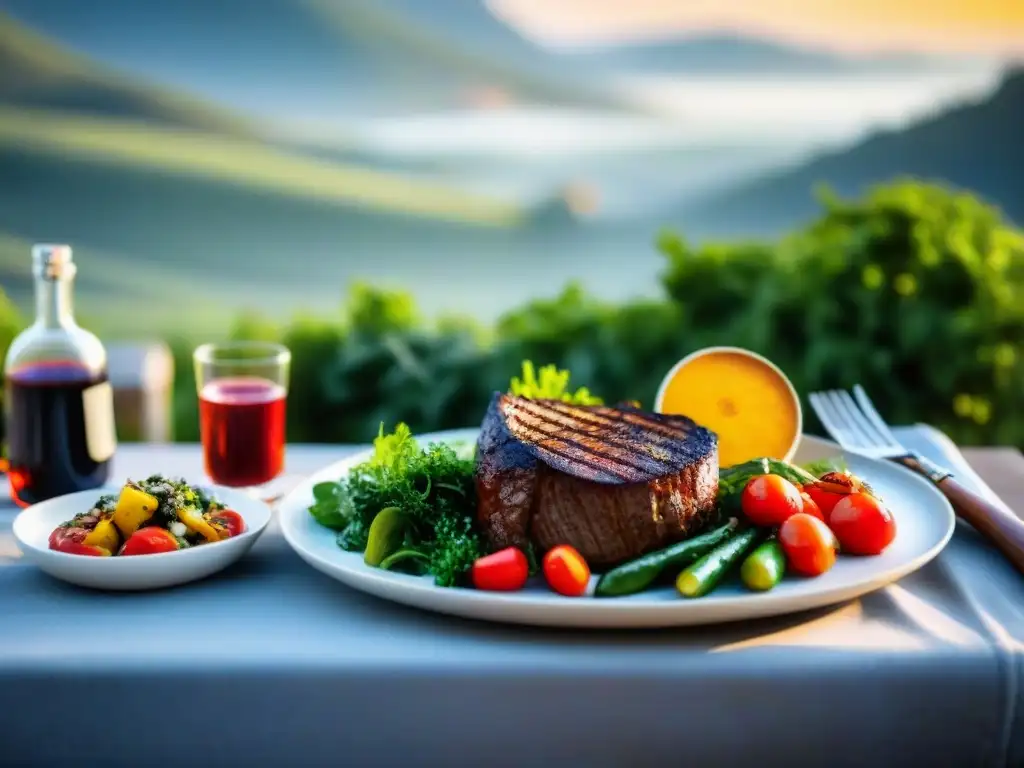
77	548
764	567
104	535
704	575
186	514
134	507
70	539
195	522
149	541
227	522
636	575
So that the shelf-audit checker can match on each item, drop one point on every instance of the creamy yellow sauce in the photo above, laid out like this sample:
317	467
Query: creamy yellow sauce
747	403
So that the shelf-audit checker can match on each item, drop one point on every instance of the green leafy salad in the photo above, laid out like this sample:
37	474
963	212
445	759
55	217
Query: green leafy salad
413	508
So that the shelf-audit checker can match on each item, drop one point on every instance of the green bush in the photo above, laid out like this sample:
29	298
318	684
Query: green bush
914	291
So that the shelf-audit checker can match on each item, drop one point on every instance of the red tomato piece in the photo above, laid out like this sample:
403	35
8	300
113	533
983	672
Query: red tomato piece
862	524
811	507
770	500
566	572
69	539
824	499
809	544
228	521
77	548
503	571
63	534
149	541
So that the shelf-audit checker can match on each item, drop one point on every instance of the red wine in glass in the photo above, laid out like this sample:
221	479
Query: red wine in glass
242	423
52	408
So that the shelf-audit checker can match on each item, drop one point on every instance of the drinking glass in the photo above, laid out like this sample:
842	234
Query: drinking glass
242	391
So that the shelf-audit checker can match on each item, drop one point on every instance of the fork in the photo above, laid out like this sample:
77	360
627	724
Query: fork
855	424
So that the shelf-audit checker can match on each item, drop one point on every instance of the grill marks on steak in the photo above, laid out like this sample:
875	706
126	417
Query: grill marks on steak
612	482
596	443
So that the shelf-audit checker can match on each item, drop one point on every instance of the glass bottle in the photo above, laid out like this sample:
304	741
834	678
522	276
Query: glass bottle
58	403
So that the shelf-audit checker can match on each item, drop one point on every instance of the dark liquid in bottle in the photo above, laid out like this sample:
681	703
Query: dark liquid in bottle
242	424
48	431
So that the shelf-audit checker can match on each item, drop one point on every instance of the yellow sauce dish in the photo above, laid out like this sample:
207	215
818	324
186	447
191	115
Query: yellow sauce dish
739	395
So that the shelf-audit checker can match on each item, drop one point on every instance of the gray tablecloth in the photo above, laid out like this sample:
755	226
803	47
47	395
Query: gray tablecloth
272	663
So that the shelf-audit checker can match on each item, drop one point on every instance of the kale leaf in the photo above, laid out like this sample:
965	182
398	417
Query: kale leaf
433	487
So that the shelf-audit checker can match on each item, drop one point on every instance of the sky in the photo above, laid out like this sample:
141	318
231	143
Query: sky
976	27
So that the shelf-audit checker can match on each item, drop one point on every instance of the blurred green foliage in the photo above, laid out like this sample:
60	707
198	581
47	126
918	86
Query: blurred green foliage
914	291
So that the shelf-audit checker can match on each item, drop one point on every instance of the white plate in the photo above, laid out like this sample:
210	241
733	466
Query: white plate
924	521
33	526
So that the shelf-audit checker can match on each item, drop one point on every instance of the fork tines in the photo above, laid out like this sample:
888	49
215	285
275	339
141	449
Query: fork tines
853	420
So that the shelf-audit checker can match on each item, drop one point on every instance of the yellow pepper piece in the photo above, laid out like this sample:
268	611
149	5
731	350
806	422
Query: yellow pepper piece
104	535
193	520
134	507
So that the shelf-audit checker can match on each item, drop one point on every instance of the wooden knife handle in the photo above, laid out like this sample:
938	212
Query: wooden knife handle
1000	526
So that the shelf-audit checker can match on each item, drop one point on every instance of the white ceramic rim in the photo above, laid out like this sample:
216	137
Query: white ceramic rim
795	444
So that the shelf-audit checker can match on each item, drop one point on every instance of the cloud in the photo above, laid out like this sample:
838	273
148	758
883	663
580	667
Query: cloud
989	27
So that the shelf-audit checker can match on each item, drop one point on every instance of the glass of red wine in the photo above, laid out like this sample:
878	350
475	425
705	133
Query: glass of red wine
242	391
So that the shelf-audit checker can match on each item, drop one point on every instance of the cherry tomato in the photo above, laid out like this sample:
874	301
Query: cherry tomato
566	571
503	571
70	540
77	548
62	534
149	541
831	488
770	499
809	544
228	522
862	524
811	507
823	499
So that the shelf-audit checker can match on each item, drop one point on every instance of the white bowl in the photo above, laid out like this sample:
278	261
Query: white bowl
33	526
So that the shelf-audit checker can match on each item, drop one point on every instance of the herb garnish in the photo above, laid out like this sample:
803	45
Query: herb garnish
552	384
434	489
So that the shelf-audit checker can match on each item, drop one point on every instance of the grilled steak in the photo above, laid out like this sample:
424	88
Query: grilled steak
612	482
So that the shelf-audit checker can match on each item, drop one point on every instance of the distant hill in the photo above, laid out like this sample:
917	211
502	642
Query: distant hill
316	59
735	54
478	30
975	146
60	104
35	73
